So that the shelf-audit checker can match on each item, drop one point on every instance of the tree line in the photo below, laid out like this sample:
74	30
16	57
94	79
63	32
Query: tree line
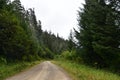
98	34
96	42
22	37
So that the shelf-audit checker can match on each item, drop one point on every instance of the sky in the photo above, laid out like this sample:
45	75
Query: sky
57	16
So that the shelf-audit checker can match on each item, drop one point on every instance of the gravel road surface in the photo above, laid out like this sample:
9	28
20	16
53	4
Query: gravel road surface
43	71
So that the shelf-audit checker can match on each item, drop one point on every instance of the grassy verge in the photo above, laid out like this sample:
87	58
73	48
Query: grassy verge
13	68
82	72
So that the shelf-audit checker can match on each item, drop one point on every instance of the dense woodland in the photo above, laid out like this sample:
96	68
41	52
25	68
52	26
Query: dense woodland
99	33
96	42
22	37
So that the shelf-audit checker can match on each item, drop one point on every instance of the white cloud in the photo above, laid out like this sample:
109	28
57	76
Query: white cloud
59	16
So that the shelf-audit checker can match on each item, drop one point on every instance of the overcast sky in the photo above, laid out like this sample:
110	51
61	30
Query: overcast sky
57	16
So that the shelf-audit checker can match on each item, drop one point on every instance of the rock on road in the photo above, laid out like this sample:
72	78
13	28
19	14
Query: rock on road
43	71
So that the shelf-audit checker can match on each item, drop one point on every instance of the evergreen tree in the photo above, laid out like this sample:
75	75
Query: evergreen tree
99	31
15	44
3	3
17	6
71	42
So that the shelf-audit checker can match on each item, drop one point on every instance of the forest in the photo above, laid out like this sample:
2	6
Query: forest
21	36
95	43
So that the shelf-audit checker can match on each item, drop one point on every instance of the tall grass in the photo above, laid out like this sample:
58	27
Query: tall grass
82	72
10	69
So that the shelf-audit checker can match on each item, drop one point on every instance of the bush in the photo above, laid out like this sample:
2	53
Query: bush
45	53
3	60
70	55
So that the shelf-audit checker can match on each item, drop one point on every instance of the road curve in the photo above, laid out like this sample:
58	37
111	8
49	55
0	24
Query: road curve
43	71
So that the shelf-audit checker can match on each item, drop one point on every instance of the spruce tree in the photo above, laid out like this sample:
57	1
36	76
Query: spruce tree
98	35
71	42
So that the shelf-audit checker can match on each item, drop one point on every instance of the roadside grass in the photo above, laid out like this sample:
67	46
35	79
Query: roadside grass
7	70
82	72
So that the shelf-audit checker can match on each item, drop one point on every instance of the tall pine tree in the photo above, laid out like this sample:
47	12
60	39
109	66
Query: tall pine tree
98	35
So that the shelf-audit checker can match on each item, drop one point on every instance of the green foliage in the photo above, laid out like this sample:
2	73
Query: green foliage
83	72
71	41
70	55
45	53
98	35
21	36
3	60
15	43
67	55
3	3
54	43
13	68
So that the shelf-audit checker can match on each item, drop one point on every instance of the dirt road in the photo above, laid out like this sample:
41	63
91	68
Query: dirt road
43	71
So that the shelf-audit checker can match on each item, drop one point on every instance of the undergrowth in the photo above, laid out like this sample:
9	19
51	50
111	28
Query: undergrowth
7	70
82	72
